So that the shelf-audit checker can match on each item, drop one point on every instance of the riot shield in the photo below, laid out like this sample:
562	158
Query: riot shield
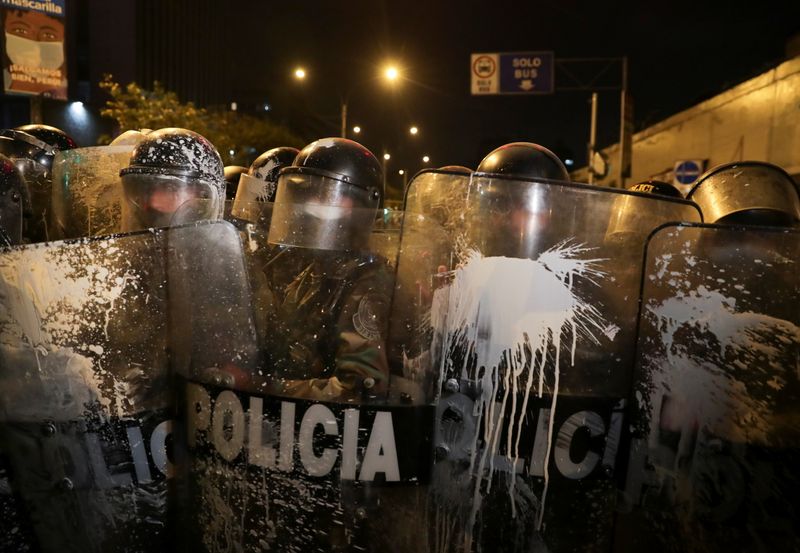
441	197
716	444
84	404
87	191
534	321
255	212
299	436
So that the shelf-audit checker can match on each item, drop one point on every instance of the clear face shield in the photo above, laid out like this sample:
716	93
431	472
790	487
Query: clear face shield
153	201
748	193
252	202
519	217
87	193
634	216
320	212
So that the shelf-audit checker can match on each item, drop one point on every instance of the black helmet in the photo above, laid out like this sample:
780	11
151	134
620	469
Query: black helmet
14	202
267	166
55	138
232	173
34	159
19	145
170	169
747	192
525	160
259	185
328	197
657	187
343	160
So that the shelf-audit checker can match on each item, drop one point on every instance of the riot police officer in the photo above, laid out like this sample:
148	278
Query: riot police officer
174	176
33	149
327	326
257	186
260	181
520	217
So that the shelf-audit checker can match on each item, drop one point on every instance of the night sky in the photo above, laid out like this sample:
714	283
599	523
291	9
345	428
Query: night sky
679	54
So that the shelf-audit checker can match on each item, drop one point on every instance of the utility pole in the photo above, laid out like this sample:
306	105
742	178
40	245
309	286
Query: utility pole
624	156
592	138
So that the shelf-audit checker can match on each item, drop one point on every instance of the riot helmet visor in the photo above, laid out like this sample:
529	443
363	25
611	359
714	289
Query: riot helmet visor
153	200
314	210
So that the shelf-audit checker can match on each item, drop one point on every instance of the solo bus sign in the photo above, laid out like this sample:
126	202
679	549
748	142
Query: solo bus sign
512	73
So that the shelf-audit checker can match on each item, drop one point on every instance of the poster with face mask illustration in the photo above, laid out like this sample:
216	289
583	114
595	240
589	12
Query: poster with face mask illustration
33	60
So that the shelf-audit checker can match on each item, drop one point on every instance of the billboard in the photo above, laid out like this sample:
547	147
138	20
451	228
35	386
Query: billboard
33	47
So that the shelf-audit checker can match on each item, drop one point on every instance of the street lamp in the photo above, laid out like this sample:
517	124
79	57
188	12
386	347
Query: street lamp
391	73
386	158
413	130
425	159
403	174
356	129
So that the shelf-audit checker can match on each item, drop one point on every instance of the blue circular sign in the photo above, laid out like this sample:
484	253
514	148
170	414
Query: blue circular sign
687	172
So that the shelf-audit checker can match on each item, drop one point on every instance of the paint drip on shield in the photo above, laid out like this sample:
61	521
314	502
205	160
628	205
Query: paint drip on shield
514	316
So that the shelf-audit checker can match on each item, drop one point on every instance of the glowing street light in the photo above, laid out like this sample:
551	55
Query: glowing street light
387	157
299	73
391	73
425	159
356	129
401	172
413	130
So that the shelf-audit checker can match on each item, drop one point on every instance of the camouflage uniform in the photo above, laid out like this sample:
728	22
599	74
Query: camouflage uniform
326	330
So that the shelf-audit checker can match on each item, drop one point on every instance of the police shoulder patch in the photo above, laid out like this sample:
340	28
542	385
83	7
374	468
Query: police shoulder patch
365	320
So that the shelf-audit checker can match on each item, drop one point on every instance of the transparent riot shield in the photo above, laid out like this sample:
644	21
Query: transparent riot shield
252	195
84	403
716	443
301	433
255	212
534	322
385	237
87	191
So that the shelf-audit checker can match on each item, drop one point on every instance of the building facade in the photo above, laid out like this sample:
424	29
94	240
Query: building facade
758	119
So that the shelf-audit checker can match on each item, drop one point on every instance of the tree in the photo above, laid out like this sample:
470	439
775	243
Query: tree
134	107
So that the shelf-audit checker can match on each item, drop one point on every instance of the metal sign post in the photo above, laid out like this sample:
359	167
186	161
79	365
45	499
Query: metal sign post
592	137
